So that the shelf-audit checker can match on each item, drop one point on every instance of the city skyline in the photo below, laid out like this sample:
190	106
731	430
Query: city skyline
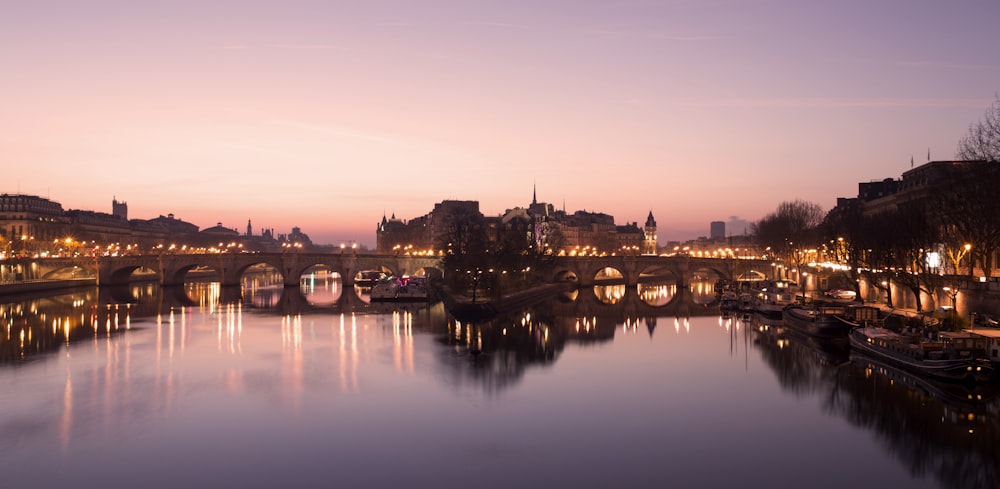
325	115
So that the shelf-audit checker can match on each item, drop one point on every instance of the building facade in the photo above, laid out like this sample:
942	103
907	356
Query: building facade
540	224
33	225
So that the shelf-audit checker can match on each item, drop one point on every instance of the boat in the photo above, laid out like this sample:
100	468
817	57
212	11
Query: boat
401	289
368	278
729	301
951	393
772	300
952	357
819	321
857	315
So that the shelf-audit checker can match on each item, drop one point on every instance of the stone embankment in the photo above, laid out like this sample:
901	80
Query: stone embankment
31	286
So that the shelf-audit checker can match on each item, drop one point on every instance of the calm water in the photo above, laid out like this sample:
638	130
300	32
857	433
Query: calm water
206	387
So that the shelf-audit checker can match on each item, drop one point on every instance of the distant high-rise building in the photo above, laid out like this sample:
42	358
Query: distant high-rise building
717	230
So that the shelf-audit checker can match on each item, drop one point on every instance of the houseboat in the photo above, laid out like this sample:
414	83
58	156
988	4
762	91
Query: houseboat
820	322
952	356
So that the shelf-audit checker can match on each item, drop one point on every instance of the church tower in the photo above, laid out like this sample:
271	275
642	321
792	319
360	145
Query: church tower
649	240
119	209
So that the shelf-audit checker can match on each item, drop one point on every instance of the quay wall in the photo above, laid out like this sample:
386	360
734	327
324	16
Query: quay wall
29	286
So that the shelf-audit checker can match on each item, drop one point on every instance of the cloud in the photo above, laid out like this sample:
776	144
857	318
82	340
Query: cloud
502	25
308	46
946	66
836	103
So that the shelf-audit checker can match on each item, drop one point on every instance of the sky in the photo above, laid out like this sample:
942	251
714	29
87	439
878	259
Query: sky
327	115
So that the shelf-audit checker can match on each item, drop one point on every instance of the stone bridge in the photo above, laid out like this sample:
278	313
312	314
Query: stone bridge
681	268
171	269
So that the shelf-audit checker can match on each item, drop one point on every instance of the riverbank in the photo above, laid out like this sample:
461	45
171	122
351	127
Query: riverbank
32	286
485	308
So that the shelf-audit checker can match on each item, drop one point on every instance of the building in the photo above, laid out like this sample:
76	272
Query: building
717	230
550	230
649	244
26	220
35	225
915	185
631	239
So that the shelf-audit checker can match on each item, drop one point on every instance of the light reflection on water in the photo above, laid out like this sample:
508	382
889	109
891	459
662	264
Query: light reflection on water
206	386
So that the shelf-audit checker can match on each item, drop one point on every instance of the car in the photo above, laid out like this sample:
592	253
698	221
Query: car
841	294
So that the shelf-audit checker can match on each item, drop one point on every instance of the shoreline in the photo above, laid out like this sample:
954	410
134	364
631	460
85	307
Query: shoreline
31	286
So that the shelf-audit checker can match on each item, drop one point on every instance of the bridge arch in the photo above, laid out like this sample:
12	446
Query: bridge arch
123	275
68	272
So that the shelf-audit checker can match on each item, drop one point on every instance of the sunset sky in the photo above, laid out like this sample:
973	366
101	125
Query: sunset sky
327	114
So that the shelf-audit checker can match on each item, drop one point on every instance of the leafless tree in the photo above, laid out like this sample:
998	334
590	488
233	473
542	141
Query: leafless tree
792	226
982	141
968	211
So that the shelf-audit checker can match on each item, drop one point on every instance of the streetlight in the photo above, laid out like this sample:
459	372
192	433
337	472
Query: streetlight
967	247
952	294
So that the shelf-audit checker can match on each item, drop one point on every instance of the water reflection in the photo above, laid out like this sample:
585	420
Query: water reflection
657	294
609	294
942	432
42	325
322	288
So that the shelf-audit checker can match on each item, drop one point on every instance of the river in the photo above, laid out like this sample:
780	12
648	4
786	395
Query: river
268	387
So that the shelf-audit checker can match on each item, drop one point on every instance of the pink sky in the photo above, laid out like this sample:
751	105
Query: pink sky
325	114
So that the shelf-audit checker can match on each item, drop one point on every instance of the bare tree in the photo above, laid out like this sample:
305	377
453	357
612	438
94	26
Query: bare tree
914	236
968	211
789	228
982	141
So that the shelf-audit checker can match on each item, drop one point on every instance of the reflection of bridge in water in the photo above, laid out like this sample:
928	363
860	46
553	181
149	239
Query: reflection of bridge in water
634	302
330	295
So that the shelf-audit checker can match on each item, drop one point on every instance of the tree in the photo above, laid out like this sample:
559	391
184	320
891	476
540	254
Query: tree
968	211
792	226
982	141
465	243
844	229
914	235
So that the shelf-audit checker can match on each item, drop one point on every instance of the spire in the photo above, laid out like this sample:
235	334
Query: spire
534	194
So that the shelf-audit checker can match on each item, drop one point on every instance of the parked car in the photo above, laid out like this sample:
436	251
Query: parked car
841	293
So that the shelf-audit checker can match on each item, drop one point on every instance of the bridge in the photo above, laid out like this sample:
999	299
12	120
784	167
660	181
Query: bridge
171	269
584	270
229	268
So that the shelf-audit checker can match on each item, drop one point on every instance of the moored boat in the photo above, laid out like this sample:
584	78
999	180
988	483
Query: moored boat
950	358
729	301
772	301
821	322
401	289
368	278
